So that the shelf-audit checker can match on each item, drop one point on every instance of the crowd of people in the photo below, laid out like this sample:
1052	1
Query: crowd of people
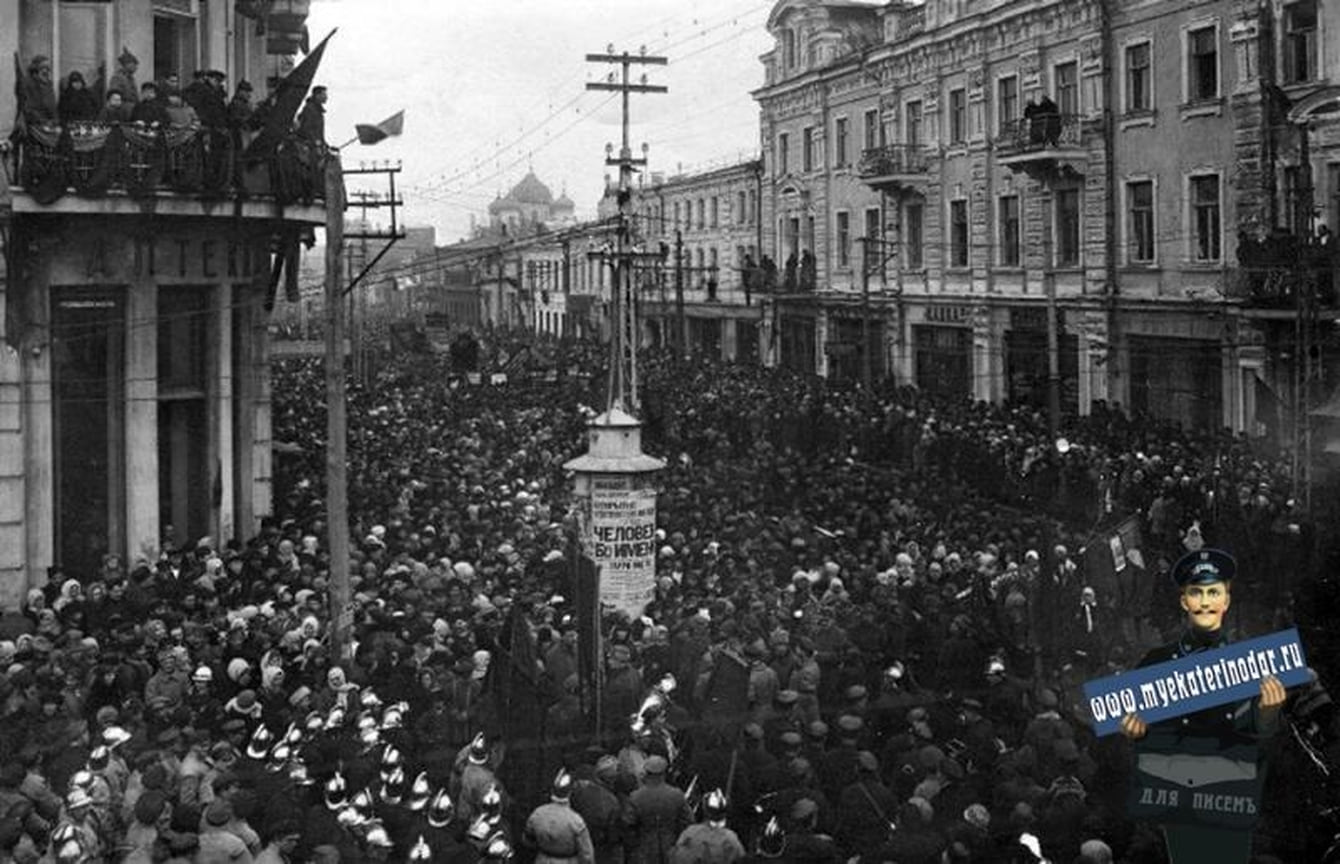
121	99
871	617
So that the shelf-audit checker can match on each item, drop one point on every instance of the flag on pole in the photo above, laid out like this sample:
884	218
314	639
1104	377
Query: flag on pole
20	99
388	128
281	106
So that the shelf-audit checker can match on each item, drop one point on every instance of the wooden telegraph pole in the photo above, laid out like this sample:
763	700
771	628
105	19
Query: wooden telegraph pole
337	442
613	478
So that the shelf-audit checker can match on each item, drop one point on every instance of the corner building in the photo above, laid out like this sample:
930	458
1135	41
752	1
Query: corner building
956	233
134	376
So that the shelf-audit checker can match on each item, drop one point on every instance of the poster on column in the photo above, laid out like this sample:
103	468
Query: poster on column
623	542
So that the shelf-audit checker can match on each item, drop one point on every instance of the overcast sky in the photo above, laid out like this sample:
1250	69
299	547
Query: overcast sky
491	89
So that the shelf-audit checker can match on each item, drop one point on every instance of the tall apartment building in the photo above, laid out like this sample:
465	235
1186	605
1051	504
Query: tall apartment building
135	288
707	228
1067	172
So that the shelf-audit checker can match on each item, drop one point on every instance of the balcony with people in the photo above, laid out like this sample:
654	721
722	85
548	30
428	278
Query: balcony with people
1044	143
1286	271
99	144
895	167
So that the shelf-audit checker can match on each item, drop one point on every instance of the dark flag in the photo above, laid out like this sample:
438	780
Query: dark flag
727	695
282	106
20	99
587	591
1267	408
519	706
388	128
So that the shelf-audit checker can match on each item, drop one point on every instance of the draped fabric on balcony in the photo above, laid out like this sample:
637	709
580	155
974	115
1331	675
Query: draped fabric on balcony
143	160
94	159
46	162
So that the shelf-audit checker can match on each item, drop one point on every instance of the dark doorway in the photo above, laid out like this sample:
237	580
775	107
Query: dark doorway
88	370
944	360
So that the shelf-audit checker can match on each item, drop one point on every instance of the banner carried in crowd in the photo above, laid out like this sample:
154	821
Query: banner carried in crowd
1196	682
623	542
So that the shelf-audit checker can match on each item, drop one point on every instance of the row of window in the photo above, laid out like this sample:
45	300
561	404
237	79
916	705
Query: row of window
708	212
1203	213
1201	83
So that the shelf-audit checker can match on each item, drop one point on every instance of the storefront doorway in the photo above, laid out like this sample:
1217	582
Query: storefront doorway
88	425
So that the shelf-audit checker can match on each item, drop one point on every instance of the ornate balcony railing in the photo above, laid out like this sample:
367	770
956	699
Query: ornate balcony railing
894	160
146	161
1284	270
1039	134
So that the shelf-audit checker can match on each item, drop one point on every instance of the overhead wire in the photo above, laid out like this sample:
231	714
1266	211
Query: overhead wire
498	151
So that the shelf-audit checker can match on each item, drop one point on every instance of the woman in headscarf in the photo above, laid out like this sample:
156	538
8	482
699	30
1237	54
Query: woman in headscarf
78	104
70	605
338	692
34	605
274	696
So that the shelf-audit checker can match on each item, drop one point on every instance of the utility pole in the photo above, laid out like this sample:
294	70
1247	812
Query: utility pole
865	314
337	442
680	318
612	481
1053	338
623	368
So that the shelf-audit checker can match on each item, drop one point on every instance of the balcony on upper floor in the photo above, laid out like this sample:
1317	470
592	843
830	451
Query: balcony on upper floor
138	168
1044	146
895	168
283	22
1284	273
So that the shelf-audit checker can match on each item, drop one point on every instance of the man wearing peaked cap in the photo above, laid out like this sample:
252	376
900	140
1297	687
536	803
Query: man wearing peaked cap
866	807
1197	746
556	831
805	842
595	801
656	814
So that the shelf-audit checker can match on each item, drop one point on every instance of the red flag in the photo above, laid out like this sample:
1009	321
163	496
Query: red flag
20	99
282	105
388	128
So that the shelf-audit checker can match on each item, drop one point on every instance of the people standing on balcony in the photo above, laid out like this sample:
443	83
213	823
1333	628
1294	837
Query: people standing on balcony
212	107
768	283
152	107
78	104
39	94
809	271
170	82
312	118
240	108
178	112
1033	121
124	79
197	91
114	108
1050	117
789	274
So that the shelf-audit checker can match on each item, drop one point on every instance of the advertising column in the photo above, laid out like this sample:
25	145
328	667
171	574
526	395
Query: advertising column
623	541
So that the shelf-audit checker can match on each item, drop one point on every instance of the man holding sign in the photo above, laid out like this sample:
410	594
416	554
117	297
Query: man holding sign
1201	773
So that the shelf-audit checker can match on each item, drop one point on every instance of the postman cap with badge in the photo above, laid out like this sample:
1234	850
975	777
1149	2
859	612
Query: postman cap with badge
1204	566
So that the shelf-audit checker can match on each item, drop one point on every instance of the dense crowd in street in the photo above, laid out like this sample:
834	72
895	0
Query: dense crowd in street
872	610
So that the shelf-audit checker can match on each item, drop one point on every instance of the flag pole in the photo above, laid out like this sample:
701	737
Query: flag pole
347	143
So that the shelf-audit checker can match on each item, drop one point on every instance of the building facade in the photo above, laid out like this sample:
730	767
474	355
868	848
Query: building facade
135	294
960	187
701	292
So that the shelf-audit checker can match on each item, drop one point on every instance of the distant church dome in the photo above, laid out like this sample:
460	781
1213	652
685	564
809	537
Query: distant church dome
531	191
